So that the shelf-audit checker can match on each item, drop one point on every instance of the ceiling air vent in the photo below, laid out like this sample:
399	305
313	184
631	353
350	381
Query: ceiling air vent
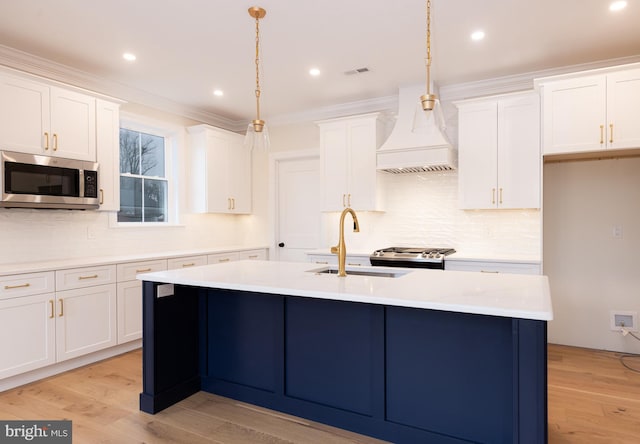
356	71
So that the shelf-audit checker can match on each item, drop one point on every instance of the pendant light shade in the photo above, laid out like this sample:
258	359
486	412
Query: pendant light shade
257	136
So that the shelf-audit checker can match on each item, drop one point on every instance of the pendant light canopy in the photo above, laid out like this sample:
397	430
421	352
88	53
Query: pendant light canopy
257	136
428	100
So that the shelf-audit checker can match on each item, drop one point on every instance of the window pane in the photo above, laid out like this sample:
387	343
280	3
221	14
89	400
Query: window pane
152	149
129	151
130	199
155	200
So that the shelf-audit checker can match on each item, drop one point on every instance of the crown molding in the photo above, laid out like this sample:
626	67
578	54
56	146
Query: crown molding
29	63
521	82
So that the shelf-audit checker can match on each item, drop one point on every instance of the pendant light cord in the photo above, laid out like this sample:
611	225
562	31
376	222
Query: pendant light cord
258	68
428	59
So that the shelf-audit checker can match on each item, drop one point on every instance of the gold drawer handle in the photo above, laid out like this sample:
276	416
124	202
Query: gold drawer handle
354	265
611	133
601	134
188	265
253	256
487	271
143	270
52	307
61	308
13	287
93	276
224	260
101	196
322	262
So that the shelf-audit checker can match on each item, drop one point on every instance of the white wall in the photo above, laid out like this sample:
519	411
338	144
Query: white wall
590	271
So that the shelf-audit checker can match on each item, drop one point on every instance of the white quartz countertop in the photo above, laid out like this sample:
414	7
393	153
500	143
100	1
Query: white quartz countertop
508	295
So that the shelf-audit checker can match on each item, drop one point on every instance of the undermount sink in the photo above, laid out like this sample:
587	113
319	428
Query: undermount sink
365	272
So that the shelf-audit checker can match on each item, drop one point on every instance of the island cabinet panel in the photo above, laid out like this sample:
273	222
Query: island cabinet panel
333	350
464	369
244	340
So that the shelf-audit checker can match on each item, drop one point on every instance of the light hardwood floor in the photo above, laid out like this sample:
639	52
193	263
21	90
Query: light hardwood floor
592	399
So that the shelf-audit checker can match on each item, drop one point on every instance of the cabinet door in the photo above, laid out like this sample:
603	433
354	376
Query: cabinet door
24	116
27	329
362	164
239	179
108	154
477	155
334	166
519	152
73	123
623	109
129	306
574	115
85	320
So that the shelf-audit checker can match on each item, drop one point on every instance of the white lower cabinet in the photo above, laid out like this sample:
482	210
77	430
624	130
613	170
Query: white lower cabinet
256	255
493	266
129	299
27	329
220	258
85	320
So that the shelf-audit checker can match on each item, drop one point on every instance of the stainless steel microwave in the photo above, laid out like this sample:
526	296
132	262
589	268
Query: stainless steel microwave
33	181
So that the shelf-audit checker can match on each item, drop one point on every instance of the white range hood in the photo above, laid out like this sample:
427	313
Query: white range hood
423	148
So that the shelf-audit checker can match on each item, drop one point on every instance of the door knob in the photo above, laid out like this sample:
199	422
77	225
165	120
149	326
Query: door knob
281	244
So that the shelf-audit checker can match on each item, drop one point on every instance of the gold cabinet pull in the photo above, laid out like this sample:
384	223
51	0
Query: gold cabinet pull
101	196
143	270
500	196
343	197
228	203
322	262
233	203
493	195
188	265
13	287
52	309
46	140
55	142
352	264
349	200
253	256
489	271
61	308
82	278
611	133
226	259
601	134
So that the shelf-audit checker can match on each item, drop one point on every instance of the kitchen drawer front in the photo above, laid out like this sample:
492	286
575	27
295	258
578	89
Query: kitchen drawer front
332	259
27	284
186	262
128	271
222	257
85	277
260	254
493	267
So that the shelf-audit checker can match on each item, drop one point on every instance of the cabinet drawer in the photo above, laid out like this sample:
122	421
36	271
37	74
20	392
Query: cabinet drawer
17	285
222	257
85	277
323	259
128	271
186	262
494	267
260	254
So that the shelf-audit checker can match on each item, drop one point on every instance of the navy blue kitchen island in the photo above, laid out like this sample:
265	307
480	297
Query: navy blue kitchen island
398	373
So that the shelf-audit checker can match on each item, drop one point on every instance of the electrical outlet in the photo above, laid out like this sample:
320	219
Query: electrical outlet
617	231
627	320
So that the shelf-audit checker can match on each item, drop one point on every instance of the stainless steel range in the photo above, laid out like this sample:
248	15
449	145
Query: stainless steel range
410	257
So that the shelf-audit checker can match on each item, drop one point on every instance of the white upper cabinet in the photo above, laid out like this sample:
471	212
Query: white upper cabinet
108	153
592	113
499	152
220	171
348	163
38	118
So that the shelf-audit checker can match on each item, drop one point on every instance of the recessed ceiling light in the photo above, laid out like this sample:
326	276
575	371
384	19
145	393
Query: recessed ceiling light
618	5
129	57
218	92
315	72
477	35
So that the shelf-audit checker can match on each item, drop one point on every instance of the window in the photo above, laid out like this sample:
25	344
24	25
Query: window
143	179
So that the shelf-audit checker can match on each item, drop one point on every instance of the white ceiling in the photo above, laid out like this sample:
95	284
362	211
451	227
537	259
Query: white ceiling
187	48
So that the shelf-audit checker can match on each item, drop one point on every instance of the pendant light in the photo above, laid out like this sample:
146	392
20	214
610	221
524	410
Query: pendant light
424	119
257	136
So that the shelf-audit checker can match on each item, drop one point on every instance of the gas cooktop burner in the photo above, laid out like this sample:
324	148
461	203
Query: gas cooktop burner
411	257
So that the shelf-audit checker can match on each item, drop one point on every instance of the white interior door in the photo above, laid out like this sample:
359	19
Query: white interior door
298	208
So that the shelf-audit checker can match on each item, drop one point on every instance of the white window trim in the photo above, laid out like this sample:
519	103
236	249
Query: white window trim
174	140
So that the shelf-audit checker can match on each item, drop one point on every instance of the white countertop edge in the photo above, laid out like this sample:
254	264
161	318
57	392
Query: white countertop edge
61	264
178	277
